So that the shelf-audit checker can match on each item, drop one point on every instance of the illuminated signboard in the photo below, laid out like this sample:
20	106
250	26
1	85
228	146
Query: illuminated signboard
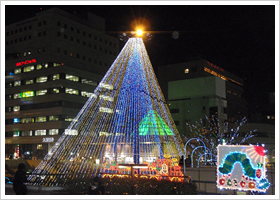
241	167
26	62
51	139
27	94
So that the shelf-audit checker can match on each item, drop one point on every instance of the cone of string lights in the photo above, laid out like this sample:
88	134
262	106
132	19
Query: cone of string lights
125	121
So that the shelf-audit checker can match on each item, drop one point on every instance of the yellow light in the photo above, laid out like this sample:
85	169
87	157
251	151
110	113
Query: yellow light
139	32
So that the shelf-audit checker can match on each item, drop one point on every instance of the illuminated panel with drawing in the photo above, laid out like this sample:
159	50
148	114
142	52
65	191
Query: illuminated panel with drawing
242	167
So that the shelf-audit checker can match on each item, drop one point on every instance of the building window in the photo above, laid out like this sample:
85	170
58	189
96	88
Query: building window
53	118
16	120
39	66
187	71
40	132
26	133
16	134
39	146
72	77
17	83
42	79
53	132
69	118
86	94
55	76
90	82
41	92
27	94
55	90
41	119
71	91
16	108
27	82
18	71
27	120
28	68
17	96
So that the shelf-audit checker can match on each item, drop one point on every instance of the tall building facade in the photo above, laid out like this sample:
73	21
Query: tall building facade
54	61
199	88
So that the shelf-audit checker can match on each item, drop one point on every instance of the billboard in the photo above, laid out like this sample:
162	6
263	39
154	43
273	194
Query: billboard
241	167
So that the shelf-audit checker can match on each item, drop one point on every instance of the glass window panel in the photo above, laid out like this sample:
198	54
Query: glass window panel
28	68
53	118
72	77
42	79
17	96
17	71
86	94
41	119
16	134
31	81
41	92
55	90
27	94
16	108
27	120
40	132
90	82
71	91
17	83
26	133
53	132
39	66
55	76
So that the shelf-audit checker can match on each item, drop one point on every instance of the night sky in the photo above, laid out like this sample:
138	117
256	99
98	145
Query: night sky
240	39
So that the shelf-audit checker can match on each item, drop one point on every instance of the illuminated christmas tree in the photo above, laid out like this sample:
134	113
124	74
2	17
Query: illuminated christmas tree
125	121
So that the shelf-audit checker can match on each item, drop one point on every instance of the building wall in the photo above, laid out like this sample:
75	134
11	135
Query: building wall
195	99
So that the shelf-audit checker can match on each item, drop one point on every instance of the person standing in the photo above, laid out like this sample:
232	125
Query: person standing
19	180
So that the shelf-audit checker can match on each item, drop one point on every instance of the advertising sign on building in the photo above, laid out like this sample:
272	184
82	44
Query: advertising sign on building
242	167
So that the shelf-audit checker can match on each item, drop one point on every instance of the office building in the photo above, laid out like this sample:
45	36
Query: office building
54	61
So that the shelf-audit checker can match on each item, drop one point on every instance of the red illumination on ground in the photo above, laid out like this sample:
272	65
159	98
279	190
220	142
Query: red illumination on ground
26	62
260	150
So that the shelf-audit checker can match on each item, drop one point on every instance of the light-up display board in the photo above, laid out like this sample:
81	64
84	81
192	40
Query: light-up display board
241	167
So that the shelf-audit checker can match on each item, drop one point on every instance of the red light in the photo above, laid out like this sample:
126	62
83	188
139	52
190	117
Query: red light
260	150
26	62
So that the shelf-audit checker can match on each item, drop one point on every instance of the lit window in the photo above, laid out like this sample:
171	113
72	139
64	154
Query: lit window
16	134
187	71
17	96
72	77
55	76
90	82
86	94
27	94
69	119
107	86
268	117
16	108
41	92
17	71
53	132
17	83
71	91
106	97
26	133
16	120
28	69
31	81
27	120
40	132
39	66
46	65
55	90
56	64
39	146
53	118
41	119
42	79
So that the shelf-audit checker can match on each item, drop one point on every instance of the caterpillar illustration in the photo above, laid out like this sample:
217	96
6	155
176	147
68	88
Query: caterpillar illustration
232	158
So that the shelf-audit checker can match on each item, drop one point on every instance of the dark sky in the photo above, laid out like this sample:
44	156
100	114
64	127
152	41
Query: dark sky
240	39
